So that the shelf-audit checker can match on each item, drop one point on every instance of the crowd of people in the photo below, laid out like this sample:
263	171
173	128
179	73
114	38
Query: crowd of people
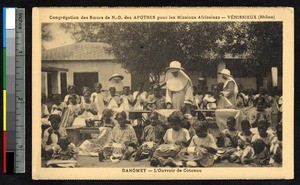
185	138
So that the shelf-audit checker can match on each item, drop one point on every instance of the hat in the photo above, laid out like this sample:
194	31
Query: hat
116	75
174	65
225	72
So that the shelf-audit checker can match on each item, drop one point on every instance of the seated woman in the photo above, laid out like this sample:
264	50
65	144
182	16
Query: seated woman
123	135
98	141
72	111
152	137
88	110
176	137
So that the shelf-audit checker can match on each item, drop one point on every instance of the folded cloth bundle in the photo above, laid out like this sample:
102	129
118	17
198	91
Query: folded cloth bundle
191	154
167	150
147	146
114	151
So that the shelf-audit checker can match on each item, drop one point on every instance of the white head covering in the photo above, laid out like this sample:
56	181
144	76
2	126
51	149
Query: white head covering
119	86
179	82
229	78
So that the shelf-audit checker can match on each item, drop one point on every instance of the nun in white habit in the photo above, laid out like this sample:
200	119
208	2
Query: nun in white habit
116	81
230	88
179	86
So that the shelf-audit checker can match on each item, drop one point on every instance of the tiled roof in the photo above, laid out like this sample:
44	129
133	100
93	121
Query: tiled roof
79	51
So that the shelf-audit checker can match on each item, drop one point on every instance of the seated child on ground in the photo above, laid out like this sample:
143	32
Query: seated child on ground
204	140
276	146
122	134
244	140
152	137
257	154
267	137
176	137
229	136
51	135
65	150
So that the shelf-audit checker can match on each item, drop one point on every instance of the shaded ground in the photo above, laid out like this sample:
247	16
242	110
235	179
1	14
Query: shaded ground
90	162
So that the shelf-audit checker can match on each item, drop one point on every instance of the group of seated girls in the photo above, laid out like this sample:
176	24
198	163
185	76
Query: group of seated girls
162	143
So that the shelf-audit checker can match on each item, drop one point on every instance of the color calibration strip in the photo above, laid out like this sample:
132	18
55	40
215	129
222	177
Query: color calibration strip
13	90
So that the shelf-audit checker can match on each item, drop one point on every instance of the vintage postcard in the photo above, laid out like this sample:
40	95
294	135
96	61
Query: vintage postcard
163	93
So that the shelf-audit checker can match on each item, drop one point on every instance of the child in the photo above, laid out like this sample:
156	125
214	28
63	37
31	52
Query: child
244	140
64	155
259	112
246	134
153	134
276	147
65	150
52	134
203	140
140	97
126	100
156	100
98	97
266	137
229	136
176	134
258	154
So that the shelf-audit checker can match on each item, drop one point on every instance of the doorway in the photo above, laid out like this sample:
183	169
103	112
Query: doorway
85	80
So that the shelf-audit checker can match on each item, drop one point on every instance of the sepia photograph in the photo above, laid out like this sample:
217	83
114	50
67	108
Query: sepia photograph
154	93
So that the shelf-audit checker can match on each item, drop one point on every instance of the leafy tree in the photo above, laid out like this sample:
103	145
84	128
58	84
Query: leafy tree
141	47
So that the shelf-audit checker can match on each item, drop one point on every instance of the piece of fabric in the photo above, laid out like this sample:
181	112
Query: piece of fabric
223	114
172	136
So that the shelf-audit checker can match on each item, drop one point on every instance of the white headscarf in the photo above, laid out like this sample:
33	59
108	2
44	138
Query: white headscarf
176	83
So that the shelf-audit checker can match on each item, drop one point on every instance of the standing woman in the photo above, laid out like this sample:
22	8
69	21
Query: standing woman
179	87
230	88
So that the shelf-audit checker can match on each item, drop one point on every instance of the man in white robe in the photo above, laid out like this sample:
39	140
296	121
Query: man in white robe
179	87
